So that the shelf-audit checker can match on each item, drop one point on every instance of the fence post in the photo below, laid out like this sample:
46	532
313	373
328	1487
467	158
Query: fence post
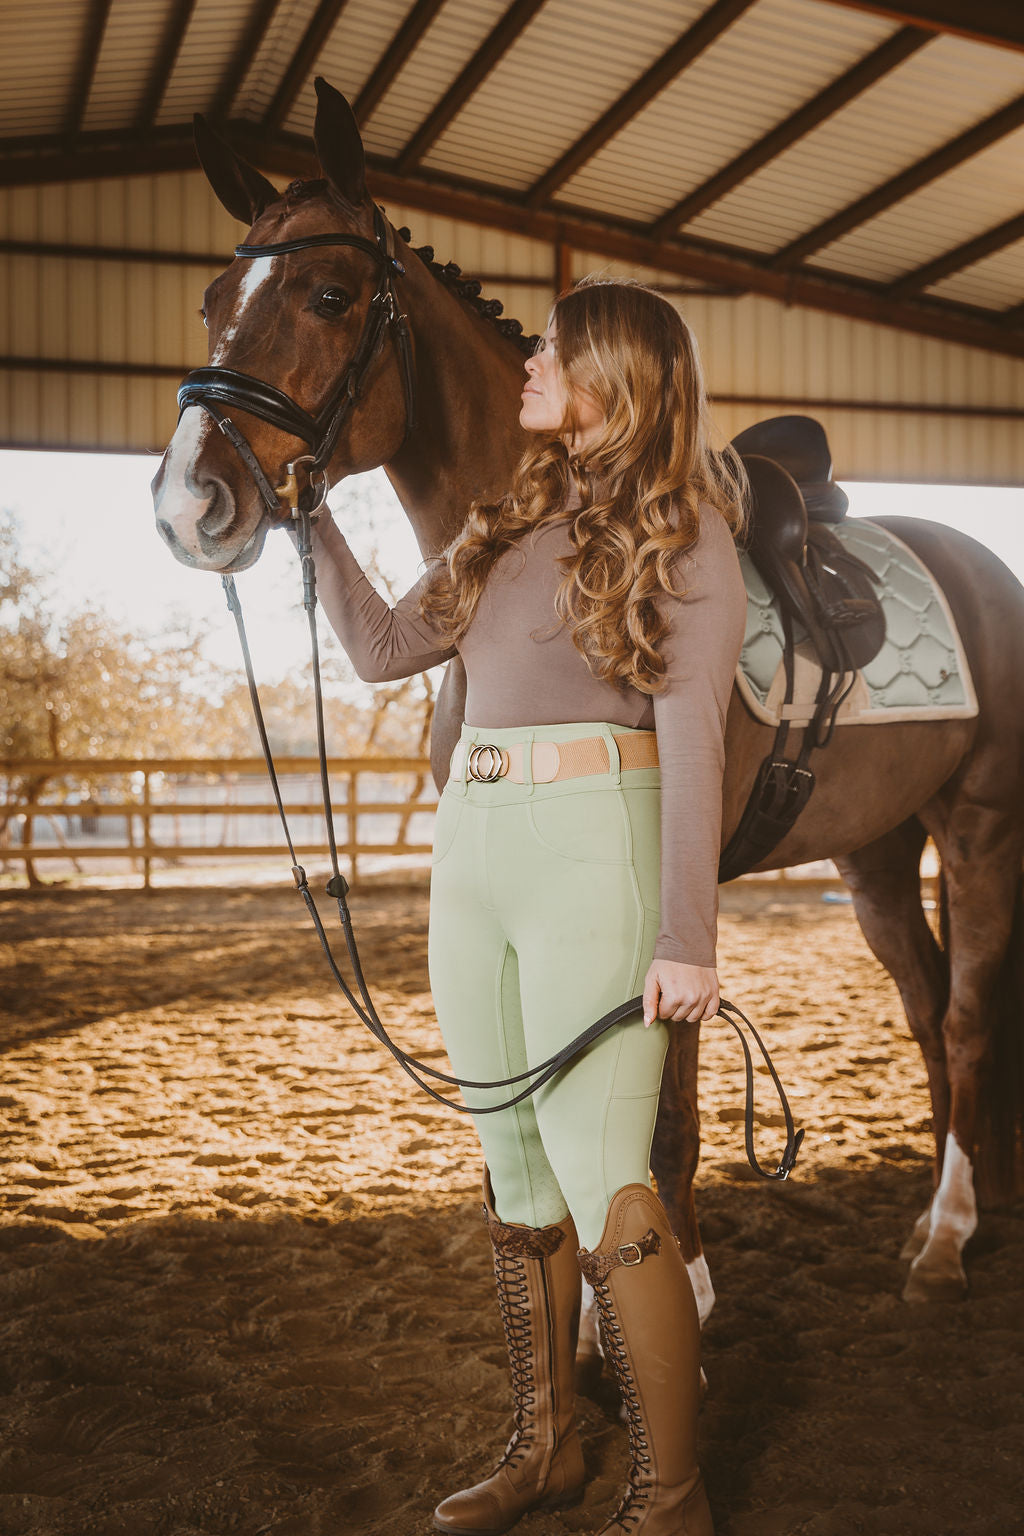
353	825
147	840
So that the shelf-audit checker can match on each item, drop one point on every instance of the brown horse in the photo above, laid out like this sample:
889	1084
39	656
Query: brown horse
295	320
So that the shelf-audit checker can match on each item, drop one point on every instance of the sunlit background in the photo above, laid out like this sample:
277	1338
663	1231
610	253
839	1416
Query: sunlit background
88	520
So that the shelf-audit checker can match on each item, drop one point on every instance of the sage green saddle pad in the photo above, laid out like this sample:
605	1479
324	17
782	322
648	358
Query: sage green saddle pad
921	672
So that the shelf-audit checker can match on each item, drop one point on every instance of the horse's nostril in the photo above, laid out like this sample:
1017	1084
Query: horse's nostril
220	511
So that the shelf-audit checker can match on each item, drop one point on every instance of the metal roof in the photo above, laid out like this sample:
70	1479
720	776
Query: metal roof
859	157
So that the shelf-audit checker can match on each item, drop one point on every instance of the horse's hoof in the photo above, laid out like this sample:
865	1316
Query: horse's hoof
918	1237
589	1369
926	1283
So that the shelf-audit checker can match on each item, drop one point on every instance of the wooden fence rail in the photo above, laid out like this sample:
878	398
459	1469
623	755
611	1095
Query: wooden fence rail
76	788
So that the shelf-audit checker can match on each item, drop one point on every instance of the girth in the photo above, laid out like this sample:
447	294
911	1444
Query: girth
213	387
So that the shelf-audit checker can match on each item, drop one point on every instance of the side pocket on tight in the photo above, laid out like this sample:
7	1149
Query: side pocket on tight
446	825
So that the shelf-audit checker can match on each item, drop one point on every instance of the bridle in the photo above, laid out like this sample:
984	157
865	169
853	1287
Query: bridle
214	387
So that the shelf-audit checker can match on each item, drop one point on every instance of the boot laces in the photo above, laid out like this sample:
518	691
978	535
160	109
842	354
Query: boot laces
639	1481
513	1302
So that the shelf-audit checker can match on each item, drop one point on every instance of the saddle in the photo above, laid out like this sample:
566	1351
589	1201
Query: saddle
822	589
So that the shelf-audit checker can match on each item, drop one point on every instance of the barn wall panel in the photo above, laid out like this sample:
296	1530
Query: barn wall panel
767	354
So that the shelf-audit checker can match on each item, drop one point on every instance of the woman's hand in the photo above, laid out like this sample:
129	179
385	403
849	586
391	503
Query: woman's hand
684	993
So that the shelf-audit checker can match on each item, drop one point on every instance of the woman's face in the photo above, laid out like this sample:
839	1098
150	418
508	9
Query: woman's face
545	398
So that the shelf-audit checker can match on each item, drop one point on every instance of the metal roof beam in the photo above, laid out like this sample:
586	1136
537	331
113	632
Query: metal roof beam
394	56
249	44
662	72
701	261
944	159
872	68
965	255
175	27
493	48
85	70
305	56
833	293
985	21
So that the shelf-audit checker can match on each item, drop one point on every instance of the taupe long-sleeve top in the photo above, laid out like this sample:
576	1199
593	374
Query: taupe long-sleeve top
523	669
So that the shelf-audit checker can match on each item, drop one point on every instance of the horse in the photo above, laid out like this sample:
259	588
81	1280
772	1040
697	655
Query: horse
440	414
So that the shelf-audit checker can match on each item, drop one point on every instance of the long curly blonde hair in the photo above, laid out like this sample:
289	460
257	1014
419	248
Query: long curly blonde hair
641	482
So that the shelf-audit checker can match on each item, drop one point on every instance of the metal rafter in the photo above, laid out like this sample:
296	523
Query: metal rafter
85	69
965	255
872	68
944	159
249	44
497	43
985	21
305	56
705	30
394	56
178	18
699	261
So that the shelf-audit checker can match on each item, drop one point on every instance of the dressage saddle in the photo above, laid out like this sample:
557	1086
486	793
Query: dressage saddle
824	591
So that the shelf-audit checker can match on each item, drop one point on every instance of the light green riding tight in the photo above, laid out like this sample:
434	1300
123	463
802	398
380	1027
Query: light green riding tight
544	910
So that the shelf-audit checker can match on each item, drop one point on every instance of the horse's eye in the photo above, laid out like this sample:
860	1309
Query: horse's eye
202	315
332	303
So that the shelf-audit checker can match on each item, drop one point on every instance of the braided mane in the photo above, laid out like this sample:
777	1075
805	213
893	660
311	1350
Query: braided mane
449	274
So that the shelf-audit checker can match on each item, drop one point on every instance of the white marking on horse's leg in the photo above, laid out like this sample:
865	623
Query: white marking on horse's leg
703	1290
938	1273
919	1236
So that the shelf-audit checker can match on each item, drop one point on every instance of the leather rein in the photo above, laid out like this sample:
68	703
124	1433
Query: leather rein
210	388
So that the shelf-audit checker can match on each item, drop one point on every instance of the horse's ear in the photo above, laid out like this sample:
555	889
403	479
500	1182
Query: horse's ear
241	188
339	144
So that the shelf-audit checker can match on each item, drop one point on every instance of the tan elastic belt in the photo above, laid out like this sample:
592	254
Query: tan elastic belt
554	759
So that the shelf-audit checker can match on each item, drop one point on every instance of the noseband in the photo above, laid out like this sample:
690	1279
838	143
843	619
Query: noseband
213	387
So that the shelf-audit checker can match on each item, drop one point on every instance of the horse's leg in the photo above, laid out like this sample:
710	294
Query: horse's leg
884	880
675	1153
980	847
446	724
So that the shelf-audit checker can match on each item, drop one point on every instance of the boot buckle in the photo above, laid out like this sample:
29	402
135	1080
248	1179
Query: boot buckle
631	1248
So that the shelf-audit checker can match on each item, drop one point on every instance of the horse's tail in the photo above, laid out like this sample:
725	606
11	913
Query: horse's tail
999	1172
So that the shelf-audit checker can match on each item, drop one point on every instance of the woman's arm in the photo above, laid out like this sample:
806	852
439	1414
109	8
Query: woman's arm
383	643
701	651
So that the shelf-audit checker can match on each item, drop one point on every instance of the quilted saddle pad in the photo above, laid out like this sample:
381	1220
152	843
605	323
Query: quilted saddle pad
921	672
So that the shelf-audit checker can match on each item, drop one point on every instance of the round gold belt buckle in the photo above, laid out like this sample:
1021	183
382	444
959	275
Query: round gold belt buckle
494	760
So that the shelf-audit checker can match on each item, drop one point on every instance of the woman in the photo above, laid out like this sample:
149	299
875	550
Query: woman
599	609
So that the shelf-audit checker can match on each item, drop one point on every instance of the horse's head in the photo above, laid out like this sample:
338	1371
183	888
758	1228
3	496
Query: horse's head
312	323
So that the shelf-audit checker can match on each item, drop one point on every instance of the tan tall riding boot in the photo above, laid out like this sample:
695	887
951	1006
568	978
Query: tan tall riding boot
652	1337
539	1296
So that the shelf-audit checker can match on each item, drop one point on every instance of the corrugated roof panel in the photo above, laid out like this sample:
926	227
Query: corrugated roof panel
39	62
996	283
287	27
130	45
214	31
438	59
937	94
565	71
351	53
979	194
763	67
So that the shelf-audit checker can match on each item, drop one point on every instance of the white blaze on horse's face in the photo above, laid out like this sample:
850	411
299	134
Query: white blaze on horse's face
191	500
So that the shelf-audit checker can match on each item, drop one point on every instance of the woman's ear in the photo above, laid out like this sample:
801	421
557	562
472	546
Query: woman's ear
339	144
240	187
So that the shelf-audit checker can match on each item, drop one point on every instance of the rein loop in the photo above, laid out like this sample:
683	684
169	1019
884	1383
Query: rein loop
337	887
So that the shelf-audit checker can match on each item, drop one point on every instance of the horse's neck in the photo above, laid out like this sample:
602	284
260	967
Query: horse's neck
467	438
